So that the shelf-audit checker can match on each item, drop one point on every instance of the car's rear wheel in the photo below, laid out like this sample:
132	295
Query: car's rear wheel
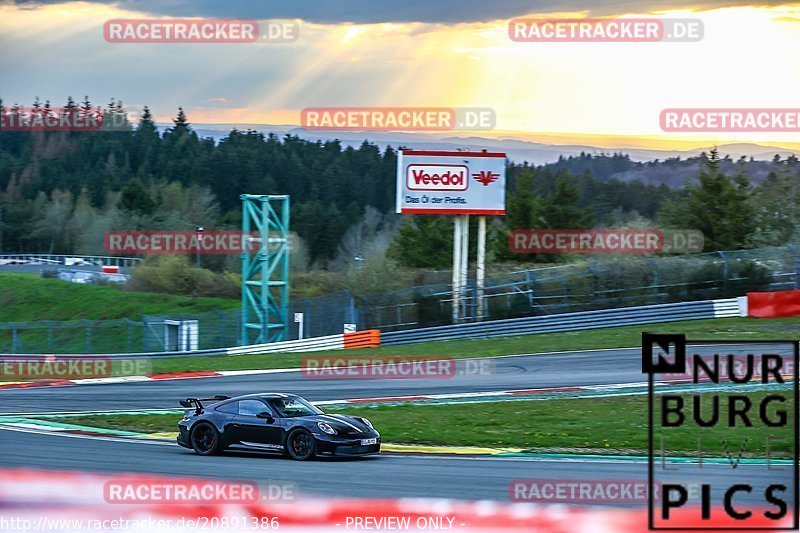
300	445
205	439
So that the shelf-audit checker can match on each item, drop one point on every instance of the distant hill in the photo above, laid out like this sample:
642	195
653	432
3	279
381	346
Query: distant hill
674	167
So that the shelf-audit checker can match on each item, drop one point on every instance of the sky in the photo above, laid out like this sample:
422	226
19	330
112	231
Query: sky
423	53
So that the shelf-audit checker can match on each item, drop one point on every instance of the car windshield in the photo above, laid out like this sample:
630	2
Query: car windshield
291	407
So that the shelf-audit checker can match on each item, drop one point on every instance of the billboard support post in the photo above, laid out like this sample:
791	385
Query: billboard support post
480	270
464	265
456	267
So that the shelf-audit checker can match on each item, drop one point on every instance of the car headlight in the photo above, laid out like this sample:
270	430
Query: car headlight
367	422
326	428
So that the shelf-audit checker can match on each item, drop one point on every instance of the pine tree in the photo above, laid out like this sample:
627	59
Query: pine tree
560	210
145	144
181	151
424	242
86	108
523	211
115	117
776	206
135	200
146	122
718	205
181	122
524	205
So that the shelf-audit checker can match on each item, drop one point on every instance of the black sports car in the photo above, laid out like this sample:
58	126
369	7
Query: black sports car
275	422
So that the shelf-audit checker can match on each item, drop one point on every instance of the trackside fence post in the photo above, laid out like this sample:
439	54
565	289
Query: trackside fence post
88	335
49	335
129	322
796	256
725	269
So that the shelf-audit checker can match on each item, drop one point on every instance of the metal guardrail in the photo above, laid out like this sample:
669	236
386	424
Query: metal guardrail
359	339
14	357
604	318
330	342
67	260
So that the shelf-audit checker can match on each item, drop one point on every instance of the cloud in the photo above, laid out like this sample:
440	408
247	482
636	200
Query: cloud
373	11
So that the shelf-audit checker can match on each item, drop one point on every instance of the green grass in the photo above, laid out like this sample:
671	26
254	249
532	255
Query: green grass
27	297
610	425
151	423
620	337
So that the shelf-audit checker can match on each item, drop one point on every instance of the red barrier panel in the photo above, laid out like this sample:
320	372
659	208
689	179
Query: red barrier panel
773	304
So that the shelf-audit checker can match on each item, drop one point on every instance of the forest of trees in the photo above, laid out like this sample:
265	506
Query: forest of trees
61	191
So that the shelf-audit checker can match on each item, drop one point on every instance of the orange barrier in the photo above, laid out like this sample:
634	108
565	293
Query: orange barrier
773	304
369	338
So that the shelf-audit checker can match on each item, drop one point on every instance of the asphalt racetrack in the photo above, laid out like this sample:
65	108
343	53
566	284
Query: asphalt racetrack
501	373
389	475
566	369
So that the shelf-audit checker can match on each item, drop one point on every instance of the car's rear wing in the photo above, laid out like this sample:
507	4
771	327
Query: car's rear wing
197	403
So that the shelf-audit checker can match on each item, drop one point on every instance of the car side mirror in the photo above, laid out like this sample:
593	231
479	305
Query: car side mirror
266	416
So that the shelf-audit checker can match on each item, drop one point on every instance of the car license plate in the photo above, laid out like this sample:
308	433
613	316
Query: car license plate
367	442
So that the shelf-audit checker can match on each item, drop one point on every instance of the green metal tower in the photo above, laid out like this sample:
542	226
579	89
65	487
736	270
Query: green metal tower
265	268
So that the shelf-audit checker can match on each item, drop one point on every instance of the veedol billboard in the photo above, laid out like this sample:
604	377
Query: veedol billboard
451	183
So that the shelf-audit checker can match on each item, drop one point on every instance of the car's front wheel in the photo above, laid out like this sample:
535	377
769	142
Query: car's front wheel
205	439
300	445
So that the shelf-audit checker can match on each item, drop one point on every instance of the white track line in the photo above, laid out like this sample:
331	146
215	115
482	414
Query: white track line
5	427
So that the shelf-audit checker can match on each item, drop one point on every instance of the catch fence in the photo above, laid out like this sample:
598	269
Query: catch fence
593	284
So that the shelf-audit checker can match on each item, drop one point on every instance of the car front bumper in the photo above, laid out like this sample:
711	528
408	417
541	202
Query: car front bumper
347	446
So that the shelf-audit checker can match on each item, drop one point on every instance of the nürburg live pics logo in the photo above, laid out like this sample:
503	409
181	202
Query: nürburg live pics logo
723	433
